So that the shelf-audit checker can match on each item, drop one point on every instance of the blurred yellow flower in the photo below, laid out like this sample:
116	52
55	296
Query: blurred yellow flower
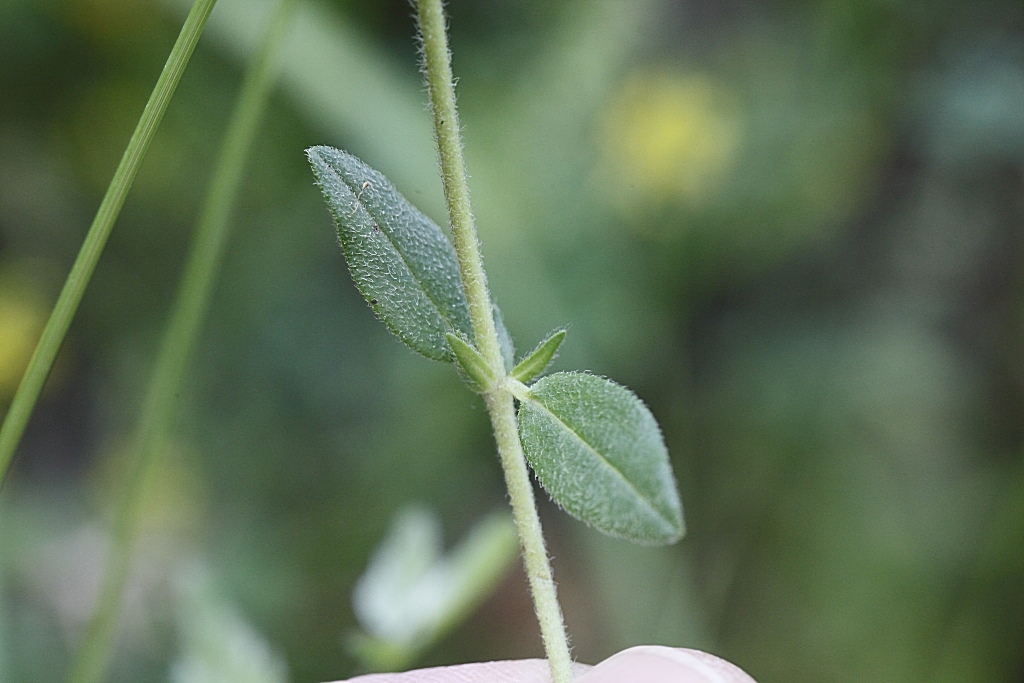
174	495
21	322
671	137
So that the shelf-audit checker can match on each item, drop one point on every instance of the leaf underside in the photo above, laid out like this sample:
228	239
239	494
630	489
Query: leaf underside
400	260
598	452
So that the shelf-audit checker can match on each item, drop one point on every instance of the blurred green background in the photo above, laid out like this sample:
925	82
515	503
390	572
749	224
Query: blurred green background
795	229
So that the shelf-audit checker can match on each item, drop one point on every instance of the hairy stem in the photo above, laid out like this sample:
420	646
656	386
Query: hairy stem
74	287
499	401
438	67
187	315
535	555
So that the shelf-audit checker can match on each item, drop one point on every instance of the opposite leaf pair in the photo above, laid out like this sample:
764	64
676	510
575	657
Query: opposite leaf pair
594	446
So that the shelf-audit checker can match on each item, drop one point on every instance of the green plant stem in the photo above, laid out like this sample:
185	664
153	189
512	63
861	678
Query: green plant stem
187	316
501	408
437	60
41	363
499	401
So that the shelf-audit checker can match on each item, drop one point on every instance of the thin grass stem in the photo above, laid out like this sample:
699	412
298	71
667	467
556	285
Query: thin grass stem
39	366
188	313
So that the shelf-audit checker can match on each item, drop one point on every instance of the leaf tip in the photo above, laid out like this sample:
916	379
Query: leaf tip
316	155
677	530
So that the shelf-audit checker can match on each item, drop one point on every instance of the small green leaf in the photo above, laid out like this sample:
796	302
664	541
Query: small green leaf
401	261
539	359
474	368
598	452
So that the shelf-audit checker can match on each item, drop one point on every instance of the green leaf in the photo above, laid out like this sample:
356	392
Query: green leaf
401	261
598	452
474	368
539	359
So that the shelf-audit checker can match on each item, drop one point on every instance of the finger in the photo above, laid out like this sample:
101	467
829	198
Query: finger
521	671
654	664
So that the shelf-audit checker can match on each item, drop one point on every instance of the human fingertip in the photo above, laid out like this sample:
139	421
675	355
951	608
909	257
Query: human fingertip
657	664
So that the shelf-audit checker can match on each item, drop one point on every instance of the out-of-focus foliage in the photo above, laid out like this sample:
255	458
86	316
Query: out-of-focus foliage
412	594
217	644
795	229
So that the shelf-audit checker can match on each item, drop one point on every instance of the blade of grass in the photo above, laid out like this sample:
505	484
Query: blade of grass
187	316
74	287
